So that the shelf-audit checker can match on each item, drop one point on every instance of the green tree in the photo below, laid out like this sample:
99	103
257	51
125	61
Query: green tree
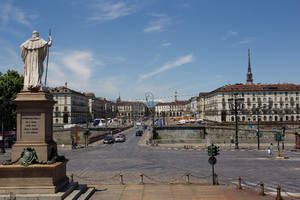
10	84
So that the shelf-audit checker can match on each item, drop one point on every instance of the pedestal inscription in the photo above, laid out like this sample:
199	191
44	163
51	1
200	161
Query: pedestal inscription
30	124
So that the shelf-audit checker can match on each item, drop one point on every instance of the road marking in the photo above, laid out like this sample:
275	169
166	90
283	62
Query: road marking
131	137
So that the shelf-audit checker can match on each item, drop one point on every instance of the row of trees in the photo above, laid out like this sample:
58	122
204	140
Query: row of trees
11	83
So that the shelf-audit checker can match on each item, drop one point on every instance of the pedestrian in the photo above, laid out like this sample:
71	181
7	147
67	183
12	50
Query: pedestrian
271	149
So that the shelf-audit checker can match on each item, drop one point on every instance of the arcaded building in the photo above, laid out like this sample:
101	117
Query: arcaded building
269	102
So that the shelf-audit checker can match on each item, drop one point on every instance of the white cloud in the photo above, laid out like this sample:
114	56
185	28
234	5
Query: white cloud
109	11
243	41
178	62
74	67
160	24
114	60
8	13
230	34
113	85
165	44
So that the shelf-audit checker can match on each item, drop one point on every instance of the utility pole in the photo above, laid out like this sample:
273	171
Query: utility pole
236	125
258	118
283	136
235	104
150	95
2	150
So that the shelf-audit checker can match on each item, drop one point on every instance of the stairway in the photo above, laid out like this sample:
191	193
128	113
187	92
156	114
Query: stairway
72	191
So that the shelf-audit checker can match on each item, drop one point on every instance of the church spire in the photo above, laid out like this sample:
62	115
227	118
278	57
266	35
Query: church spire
249	74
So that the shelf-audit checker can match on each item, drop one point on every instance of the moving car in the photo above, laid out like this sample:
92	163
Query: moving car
139	133
120	138
109	139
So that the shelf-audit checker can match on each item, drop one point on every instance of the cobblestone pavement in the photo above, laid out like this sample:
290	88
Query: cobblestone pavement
101	164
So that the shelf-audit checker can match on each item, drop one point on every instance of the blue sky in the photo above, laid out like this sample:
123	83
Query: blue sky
160	46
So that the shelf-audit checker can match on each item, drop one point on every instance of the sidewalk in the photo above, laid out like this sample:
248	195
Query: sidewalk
174	192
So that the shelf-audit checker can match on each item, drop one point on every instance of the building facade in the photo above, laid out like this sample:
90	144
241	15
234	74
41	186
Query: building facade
173	109
131	111
268	102
71	107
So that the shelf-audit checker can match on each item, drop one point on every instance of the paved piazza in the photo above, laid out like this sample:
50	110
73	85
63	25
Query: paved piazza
102	164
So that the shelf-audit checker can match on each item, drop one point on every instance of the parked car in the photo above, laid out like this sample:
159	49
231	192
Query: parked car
109	139
139	133
120	138
181	122
123	135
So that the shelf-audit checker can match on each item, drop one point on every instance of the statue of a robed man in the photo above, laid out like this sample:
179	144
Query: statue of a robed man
33	53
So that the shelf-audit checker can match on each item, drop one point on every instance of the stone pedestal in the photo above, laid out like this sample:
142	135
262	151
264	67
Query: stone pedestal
34	130
34	124
42	179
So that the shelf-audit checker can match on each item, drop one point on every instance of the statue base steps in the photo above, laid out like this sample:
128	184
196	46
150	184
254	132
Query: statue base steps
71	191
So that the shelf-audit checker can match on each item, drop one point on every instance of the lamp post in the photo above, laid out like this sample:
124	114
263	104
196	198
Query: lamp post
235	104
86	132
150	95
258	119
2	150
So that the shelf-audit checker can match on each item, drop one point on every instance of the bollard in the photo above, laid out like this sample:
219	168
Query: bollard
121	181
142	179
262	189
71	177
187	178
216	179
278	197
239	186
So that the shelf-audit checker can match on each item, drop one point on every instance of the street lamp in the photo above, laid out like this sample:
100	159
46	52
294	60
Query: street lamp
2	150
236	104
151	96
258	119
86	132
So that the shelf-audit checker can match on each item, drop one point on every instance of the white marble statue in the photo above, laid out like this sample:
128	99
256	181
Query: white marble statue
33	53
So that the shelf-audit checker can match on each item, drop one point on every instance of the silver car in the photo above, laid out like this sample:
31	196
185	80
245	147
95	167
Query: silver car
120	138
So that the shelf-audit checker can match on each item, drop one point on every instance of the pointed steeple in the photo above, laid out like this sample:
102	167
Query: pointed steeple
249	73
119	99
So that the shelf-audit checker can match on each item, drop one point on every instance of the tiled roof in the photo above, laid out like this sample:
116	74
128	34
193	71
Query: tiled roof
124	103
172	103
64	90
257	87
89	94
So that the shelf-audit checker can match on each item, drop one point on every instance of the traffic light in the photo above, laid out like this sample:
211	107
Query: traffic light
278	137
215	150
209	150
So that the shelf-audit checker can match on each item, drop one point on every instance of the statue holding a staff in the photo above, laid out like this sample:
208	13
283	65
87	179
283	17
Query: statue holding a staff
33	53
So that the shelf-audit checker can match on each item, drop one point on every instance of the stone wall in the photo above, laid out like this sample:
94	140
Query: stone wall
181	133
218	134
227	135
64	136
